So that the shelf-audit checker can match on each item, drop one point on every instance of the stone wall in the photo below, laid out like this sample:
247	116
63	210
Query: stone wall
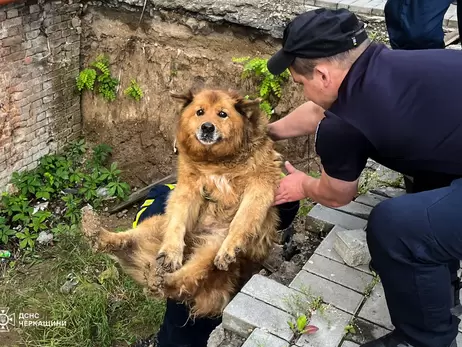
39	60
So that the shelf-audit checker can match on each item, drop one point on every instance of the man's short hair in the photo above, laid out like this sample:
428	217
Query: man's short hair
305	67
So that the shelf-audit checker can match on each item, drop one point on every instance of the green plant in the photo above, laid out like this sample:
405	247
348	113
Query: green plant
55	191
301	326
100	73
5	231
100	153
86	79
269	87
134	90
350	329
119	189
27	238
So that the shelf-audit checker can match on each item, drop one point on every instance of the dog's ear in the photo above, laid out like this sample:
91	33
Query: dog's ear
248	108
184	98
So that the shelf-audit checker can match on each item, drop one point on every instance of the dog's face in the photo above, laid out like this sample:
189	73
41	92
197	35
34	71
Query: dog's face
215	124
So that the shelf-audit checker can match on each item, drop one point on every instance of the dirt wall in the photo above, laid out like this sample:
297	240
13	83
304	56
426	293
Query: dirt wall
167	52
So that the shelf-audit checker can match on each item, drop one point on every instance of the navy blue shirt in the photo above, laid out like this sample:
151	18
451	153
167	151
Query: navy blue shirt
402	108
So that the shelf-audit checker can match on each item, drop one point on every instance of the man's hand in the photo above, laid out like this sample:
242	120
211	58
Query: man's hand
291	187
327	191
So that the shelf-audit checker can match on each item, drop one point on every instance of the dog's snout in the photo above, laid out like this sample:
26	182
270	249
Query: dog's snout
207	127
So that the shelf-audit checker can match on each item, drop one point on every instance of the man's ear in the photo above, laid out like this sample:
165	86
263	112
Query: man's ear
248	108
184	98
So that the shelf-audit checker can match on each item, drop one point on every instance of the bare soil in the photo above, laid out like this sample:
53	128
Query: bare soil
168	53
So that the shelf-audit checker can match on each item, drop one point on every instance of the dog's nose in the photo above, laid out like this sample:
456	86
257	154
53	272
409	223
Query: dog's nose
207	127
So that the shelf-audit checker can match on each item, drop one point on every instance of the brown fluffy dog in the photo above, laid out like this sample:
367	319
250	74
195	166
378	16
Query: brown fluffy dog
219	220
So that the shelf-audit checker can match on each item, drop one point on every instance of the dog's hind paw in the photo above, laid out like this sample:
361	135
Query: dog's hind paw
91	226
155	281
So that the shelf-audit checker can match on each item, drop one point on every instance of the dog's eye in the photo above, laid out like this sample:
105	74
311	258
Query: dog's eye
222	114
200	112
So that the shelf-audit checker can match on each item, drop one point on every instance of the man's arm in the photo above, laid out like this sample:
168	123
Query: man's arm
301	121
329	191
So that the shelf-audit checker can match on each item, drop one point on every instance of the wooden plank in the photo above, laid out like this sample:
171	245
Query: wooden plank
141	194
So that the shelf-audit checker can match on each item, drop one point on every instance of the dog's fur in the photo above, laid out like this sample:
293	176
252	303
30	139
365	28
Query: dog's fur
219	220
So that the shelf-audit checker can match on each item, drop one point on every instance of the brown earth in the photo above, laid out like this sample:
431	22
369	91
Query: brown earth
168	53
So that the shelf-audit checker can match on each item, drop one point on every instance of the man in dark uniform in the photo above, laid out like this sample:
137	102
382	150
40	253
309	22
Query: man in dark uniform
402	109
418	24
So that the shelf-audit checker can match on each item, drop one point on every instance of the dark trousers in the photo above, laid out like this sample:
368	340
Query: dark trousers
418	24
177	330
415	241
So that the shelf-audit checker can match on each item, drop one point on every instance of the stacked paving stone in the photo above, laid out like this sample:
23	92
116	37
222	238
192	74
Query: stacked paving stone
354	297
39	61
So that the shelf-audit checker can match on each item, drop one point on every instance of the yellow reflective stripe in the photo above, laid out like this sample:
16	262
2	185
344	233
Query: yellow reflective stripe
147	203
138	215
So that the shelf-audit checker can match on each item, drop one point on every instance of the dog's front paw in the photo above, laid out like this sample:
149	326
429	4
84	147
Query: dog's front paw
226	256
170	257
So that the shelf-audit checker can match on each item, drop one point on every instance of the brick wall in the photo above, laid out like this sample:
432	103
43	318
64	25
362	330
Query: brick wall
39	60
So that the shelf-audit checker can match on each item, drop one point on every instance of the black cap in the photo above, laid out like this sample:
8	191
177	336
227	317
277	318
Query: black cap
317	34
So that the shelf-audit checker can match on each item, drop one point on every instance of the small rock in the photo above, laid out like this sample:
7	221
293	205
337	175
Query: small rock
286	273
299	259
44	238
274	259
122	214
106	209
299	238
263	272
102	192
76	22
40	207
70	191
69	285
290	269
192	24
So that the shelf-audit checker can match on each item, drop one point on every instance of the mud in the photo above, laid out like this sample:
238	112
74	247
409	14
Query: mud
166	53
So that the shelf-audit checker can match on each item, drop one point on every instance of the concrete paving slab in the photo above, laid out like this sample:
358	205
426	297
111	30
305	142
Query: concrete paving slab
244	313
370	199
331	293
349	344
375	308
365	331
389	192
271	292
338	273
326	249
351	246
261	338
320	215
331	326
356	209
330	4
